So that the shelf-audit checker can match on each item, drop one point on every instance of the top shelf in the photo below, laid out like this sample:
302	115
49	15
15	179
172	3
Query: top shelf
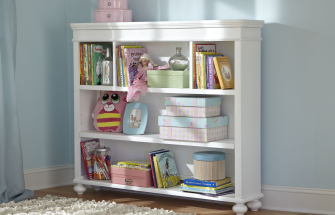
162	90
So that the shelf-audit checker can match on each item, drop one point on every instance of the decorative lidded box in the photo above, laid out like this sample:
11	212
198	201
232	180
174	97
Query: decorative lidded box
209	165
131	177
168	79
193	129
193	107
112	11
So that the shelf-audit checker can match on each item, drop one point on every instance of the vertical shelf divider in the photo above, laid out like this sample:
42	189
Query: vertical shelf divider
190	65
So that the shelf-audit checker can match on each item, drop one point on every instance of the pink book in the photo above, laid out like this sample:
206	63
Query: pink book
88	147
132	57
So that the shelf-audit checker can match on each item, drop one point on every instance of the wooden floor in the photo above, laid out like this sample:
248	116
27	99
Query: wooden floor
168	203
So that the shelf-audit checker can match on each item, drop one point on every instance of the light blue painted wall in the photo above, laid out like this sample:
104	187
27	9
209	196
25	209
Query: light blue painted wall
298	100
42	82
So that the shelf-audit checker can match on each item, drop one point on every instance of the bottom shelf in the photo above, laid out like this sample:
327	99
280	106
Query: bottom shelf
173	191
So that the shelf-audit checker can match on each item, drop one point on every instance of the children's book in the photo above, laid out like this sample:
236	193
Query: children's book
82	65
151	155
132	57
124	63
99	54
89	71
228	187
157	173
224	72
228	184
85	64
202	71
210	71
200	48
134	163
88	148
168	169
92	69
195	182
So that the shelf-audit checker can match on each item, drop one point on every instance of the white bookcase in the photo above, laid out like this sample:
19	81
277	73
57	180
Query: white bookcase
240	40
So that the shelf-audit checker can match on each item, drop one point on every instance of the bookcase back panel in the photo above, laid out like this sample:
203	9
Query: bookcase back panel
88	100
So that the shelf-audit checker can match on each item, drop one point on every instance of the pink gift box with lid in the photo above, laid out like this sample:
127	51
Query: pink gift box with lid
131	177
193	111
112	4
112	16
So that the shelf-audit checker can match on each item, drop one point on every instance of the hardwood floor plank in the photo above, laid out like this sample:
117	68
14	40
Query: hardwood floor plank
168	203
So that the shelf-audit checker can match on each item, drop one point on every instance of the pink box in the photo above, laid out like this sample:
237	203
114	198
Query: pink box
112	16
112	4
131	177
193	111
194	134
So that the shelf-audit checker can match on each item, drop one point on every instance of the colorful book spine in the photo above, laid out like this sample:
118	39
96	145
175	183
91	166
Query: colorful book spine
157	173
196	190
197	70
125	71
121	66
203	68
92	64
201	48
195	182
229	184
89	176
81	65
89	47
194	69
117	68
85	63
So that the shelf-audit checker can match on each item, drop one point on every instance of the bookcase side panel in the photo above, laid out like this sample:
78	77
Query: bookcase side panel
250	117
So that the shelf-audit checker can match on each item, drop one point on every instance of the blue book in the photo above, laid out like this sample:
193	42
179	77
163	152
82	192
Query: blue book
195	190
151	154
195	182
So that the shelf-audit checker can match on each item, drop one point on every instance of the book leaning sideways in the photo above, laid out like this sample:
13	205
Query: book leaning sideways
88	148
167	169
195	182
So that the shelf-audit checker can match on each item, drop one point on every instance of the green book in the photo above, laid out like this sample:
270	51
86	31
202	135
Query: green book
99	54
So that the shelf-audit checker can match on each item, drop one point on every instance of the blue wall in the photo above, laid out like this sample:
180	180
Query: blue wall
298	100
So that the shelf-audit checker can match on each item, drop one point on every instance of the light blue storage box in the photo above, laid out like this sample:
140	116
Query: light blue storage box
192	122
209	165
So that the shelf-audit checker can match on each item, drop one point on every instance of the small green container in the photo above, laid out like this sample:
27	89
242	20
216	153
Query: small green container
168	79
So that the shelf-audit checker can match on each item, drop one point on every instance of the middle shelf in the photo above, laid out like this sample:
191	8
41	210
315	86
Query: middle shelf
155	138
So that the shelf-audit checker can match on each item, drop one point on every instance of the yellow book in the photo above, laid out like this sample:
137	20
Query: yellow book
225	74
124	62
158	173
208	188
135	163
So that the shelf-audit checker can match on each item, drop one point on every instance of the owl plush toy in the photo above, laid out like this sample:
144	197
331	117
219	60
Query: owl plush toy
108	113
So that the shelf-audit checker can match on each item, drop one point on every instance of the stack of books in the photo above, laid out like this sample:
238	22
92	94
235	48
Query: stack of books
208	188
127	63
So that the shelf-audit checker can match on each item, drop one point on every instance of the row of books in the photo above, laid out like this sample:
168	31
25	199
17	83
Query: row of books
91	57
163	168
211	70
208	188
127	62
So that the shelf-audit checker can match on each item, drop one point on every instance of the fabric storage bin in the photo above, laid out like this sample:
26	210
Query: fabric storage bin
168	79
193	111
193	101
132	177
192	122
194	134
112	4
112	16
209	165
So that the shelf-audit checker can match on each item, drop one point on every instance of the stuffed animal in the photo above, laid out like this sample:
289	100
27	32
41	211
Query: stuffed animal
108	113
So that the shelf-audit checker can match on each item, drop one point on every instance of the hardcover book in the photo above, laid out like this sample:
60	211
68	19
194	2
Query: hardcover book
132	57
200	183
201	68
99	54
222	189
168	169
224	72
82	76
200	48
151	155
88	147
212	78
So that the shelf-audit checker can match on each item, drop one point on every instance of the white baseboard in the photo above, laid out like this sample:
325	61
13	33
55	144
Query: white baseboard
298	199
48	177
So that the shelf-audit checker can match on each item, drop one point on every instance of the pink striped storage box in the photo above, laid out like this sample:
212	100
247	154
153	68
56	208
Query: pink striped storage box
193	111
112	16
112	4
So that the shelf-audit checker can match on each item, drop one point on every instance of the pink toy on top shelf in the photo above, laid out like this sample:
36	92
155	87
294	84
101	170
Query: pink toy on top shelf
112	16
112	4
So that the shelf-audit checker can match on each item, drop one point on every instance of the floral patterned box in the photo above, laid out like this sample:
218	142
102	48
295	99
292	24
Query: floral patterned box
194	134
193	101
192	122
193	111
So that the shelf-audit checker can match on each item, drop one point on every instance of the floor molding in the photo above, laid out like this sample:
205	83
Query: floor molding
48	177
298	199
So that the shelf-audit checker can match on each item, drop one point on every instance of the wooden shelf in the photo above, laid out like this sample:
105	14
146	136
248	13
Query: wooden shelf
154	138
162	90
173	191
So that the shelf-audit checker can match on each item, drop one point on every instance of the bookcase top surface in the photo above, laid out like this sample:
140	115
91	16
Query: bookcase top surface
241	23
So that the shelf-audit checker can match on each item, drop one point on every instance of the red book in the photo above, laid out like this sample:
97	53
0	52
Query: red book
88	147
